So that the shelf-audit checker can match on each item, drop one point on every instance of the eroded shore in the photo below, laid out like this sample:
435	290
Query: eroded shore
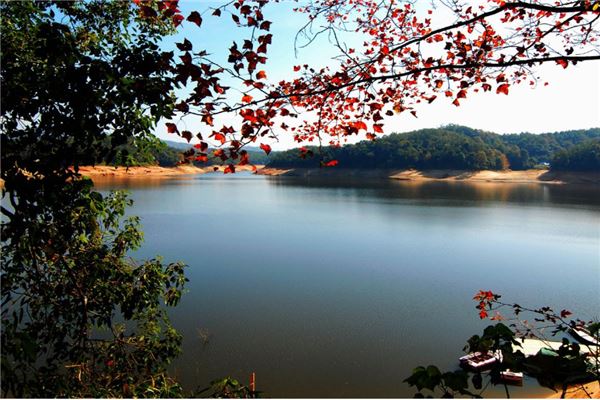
150	171
528	176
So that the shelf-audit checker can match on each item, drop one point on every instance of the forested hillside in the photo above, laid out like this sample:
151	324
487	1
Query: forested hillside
450	147
581	157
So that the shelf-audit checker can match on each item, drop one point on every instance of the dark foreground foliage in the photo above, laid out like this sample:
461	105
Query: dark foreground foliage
79	317
571	365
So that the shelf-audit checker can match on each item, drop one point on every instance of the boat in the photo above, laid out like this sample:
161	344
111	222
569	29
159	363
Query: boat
584	336
479	360
508	376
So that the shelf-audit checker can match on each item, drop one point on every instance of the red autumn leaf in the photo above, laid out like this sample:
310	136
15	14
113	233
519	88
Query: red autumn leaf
202	158
207	119
439	83
371	136
147	12
502	89
246	98
296	68
217	12
186	45
230	169
187	135
186	58
359	125
195	18
266	148
378	128
219	153
483	314
244	158
331	163
449	93
565	313
261	75
375	106
171	127
177	18
497	317
563	63
219	136
462	94
456	102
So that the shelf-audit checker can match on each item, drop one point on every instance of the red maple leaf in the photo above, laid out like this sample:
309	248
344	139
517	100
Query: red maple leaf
503	88
266	148
195	18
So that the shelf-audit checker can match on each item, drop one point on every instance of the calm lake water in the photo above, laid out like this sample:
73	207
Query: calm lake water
328	288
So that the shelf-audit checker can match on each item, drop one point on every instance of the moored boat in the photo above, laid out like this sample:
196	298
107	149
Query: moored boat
479	360
512	377
584	336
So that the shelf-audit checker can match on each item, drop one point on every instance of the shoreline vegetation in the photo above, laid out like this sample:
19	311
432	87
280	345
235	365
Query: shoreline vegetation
448	175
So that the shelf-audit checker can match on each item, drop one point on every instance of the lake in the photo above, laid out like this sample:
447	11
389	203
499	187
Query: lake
332	288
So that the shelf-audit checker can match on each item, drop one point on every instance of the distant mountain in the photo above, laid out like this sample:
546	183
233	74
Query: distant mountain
449	147
177	145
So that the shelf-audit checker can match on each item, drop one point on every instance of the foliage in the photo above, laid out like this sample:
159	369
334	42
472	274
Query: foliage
85	82
66	285
450	383
79	318
582	157
450	147
228	388
555	369
541	148
405	60
74	74
147	151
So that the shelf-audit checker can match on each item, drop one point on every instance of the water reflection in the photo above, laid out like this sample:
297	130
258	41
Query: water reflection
140	182
459	193
329	288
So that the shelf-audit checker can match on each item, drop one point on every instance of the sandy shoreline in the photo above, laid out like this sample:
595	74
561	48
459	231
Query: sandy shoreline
150	171
528	176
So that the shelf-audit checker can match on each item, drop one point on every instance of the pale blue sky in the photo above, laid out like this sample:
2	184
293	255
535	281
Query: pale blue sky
570	101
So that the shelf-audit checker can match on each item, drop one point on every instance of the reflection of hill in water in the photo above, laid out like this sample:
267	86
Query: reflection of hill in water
139	182
452	193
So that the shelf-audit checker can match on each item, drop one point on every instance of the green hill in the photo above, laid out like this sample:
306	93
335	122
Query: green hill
449	147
